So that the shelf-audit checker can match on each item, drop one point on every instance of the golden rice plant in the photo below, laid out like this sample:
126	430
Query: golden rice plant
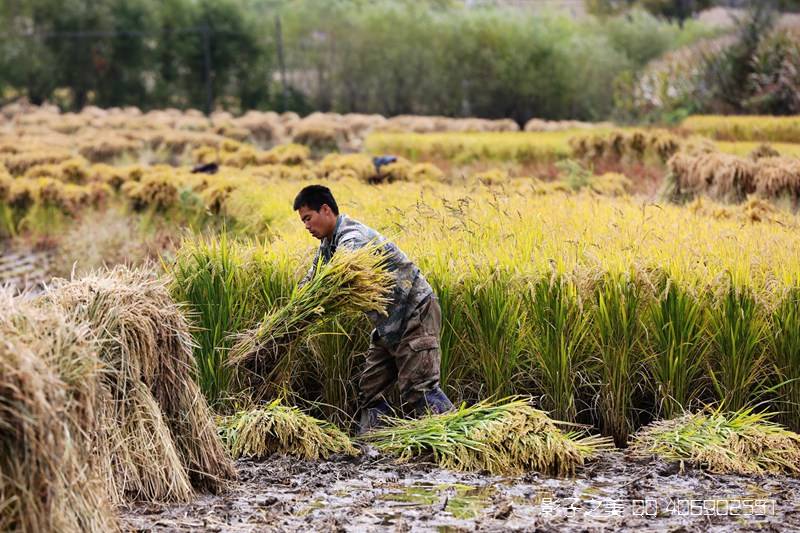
742	442
617	363
560	328
784	342
277	428
738	365
745	128
468	147
506	437
218	282
677	347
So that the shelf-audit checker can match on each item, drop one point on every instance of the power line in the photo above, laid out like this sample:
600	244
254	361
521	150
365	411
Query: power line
84	34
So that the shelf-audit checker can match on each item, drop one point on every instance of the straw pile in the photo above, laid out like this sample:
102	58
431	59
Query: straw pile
51	475
167	439
352	282
277	428
504	437
743	442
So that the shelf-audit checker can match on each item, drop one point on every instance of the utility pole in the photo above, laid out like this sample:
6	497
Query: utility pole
206	31
281	62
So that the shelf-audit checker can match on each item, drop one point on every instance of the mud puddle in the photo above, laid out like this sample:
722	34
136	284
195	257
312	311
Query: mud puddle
615	493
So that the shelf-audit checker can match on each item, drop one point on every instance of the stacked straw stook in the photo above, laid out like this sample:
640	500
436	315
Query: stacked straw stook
99	405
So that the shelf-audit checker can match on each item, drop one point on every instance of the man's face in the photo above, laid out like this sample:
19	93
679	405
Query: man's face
320	223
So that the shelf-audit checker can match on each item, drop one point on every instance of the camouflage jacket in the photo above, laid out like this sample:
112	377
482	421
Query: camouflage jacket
411	288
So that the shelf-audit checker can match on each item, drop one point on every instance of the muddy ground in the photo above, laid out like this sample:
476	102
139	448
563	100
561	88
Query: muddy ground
370	493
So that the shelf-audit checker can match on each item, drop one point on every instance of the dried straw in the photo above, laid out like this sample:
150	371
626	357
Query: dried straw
277	428
145	343
51	479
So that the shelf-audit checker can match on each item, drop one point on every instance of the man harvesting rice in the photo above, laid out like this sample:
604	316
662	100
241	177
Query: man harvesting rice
404	346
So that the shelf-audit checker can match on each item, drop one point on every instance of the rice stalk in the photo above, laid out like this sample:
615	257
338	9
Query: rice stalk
213	278
277	428
504	437
677	345
741	442
334	353
496	332
784	340
617	334
560	328
352	282
737	362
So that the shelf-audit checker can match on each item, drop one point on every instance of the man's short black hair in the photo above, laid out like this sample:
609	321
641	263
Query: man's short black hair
314	197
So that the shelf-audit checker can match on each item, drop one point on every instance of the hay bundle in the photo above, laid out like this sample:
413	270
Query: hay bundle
157	192
778	176
50	407
146	343
353	281
425	172
399	170
762	151
743	442
21	194
637	143
732	177
356	166
665	145
277	428
263	127
505	437
610	184
285	154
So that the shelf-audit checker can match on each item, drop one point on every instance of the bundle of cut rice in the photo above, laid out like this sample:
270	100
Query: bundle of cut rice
277	428
353	281
504	437
742	442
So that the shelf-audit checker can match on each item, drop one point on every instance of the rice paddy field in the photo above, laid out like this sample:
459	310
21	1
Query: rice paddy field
620	323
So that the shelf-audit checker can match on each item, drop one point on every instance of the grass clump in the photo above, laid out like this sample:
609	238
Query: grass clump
741	442
278	428
503	437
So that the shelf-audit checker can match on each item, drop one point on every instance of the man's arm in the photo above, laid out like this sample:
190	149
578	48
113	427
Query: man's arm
312	270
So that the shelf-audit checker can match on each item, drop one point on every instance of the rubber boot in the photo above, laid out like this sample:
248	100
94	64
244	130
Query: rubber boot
372	417
434	401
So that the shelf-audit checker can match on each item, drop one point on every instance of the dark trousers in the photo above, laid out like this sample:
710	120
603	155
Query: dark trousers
413	363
